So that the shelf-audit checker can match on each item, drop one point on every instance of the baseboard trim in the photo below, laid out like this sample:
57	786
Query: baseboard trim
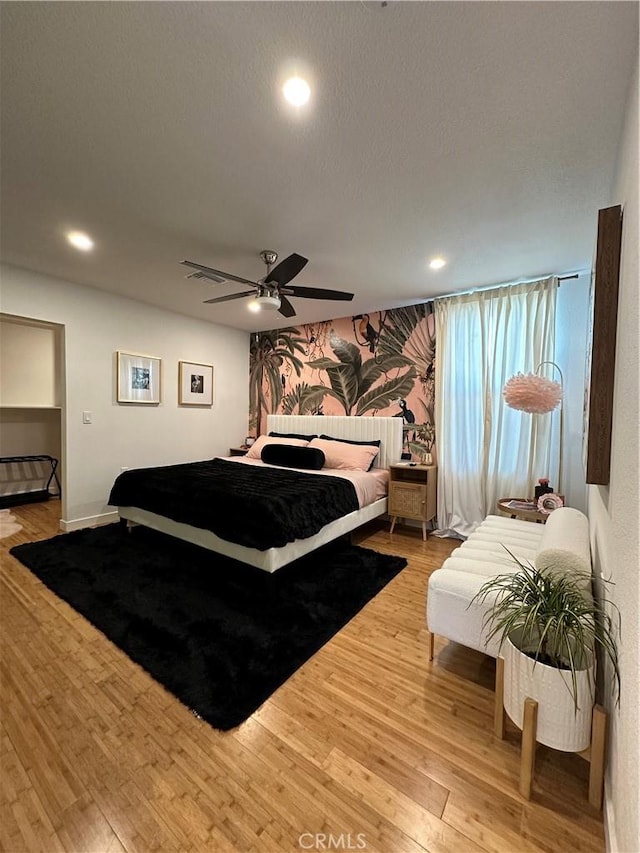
611	842
90	521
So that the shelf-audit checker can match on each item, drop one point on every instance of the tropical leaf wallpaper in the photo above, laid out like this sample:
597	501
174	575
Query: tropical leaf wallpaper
370	364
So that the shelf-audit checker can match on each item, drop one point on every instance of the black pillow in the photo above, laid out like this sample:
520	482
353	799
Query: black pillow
292	435
291	456
375	442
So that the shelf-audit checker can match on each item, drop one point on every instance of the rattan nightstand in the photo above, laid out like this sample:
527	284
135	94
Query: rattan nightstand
412	493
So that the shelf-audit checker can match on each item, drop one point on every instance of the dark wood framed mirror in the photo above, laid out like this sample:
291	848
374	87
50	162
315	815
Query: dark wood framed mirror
601	347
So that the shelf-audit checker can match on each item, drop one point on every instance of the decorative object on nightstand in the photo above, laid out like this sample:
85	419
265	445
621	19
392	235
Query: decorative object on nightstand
547	503
522	508
531	510
412	493
543	488
238	451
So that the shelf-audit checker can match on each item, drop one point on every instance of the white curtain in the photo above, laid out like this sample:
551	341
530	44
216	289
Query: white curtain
487	451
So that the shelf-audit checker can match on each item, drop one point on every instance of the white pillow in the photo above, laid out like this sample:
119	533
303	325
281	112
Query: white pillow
564	544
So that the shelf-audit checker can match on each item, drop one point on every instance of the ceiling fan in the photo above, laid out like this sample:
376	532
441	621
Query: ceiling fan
271	291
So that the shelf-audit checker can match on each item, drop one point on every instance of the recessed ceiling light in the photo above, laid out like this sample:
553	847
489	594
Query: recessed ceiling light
437	263
80	240
297	91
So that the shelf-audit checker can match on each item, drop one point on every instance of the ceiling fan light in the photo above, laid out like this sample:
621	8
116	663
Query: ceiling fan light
270	302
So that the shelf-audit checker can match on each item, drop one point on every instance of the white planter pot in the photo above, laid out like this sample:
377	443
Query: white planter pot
559	725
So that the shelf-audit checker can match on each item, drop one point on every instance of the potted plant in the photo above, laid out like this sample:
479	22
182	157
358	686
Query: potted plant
550	627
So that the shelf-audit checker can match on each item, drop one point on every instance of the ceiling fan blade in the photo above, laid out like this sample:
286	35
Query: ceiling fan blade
228	298
286	270
318	293
216	275
286	308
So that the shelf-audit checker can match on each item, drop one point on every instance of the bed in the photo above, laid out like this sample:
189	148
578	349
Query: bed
334	508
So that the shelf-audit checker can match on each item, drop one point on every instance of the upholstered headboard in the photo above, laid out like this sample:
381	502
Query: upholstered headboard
388	430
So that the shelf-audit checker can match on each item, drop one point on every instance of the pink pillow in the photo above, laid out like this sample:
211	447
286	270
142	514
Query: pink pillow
345	457
255	451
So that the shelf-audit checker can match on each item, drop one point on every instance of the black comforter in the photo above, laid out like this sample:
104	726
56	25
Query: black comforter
246	504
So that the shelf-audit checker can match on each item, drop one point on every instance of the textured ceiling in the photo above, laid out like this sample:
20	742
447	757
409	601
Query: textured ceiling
485	132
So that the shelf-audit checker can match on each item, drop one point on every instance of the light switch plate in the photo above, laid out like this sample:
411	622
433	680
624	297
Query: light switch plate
86	417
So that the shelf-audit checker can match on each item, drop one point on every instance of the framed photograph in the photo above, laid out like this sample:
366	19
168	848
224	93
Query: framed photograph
138	378
601	347
195	384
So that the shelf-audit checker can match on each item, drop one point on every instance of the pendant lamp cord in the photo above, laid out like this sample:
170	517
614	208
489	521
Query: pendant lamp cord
561	439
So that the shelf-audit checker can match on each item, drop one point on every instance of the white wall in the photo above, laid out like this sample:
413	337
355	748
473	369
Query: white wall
571	350
96	325
614	512
30	432
28	364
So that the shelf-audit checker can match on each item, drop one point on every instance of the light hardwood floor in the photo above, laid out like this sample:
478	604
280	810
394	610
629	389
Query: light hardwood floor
368	742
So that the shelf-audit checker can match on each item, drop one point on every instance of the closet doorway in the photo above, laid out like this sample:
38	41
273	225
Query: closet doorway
31	413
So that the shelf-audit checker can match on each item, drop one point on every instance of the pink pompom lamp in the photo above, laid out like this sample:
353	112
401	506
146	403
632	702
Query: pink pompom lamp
538	396
531	393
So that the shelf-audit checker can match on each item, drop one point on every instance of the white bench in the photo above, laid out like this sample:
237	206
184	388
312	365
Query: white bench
562	541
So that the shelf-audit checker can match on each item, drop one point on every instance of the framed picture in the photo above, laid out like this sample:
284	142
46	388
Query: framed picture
138	378
601	347
195	384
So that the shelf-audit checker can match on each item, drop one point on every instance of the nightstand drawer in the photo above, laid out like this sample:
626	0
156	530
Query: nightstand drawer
407	500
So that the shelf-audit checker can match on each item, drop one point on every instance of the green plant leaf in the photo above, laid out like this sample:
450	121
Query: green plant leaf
404	331
268	352
374	368
322	363
344	385
383	395
348	353
344	375
304	397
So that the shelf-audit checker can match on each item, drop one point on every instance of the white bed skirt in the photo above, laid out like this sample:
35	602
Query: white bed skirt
269	560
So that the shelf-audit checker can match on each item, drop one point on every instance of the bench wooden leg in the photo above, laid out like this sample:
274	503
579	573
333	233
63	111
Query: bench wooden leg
498	710
431	645
528	749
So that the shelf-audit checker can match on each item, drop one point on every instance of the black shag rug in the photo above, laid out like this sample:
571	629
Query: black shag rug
220	635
